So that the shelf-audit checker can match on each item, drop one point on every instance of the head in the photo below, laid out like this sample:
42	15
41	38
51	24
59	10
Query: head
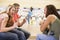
16	5
11	10
50	9
31	9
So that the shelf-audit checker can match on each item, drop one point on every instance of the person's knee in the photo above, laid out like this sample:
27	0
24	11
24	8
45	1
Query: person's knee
37	37
27	34
8	36
21	33
2	35
13	37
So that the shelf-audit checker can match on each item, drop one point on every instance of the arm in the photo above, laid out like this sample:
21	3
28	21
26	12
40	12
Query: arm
20	24
46	23
3	25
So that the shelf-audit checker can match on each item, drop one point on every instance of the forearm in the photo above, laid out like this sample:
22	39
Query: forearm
3	27
20	24
6	29
41	29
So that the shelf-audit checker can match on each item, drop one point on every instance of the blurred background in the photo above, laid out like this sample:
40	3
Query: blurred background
29	3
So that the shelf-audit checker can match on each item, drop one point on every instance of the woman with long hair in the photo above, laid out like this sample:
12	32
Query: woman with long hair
11	25
4	34
52	19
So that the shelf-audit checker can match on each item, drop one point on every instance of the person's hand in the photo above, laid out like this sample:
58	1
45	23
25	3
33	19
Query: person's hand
24	20
41	22
15	25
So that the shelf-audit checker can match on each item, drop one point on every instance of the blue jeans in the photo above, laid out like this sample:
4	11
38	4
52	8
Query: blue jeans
27	34
45	37
8	36
20	34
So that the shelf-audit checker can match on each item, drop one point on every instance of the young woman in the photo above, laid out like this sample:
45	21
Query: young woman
4	34
11	24
52	19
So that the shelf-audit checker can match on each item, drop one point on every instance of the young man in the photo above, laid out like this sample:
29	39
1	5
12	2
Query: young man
16	16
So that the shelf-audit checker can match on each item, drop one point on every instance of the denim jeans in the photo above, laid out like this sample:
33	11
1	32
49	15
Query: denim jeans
45	37
27	34
20	34
8	36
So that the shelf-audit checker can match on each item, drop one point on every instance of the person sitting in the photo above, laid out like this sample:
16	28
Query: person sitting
4	34
16	17
52	19
11	26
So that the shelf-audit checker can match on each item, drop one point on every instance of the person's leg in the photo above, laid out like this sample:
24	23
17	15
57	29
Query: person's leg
27	34
45	37
50	37
8	36
20	34
41	37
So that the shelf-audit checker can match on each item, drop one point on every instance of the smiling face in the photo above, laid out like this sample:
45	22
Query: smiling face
16	5
12	11
45	10
17	9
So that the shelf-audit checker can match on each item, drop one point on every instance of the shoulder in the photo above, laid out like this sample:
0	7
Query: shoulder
51	17
4	16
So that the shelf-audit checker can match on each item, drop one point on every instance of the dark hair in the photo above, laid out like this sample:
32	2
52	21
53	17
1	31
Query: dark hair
31	9
16	4
52	10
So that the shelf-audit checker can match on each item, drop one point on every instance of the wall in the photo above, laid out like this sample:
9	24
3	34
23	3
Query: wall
29	3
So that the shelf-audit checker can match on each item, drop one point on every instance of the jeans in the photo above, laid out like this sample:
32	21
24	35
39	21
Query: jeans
45	37
20	34
27	34
8	36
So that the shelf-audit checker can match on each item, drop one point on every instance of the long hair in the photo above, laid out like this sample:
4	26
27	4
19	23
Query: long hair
52	10
8	9
10	20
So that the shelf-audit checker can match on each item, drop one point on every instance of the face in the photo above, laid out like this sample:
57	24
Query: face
45	10
12	11
17	9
